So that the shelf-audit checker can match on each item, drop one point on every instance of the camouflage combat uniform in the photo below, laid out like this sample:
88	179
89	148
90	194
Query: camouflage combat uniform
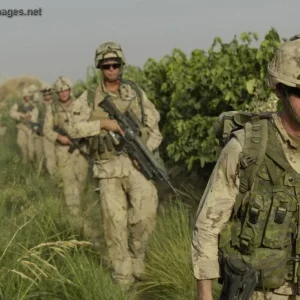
48	146
217	203
49	151
118	176
264	221
25	133
72	167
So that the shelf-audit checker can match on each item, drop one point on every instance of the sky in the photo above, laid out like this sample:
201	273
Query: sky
63	40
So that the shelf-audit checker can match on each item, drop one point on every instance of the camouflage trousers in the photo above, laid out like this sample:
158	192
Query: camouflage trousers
73	169
50	155
38	147
25	142
129	206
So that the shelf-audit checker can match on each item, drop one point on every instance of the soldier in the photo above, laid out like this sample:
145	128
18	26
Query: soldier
72	166
24	113
37	133
128	200
67	115
49	146
249	212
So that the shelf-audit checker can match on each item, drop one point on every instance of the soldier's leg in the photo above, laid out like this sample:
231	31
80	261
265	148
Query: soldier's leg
142	217
114	214
91	223
30	145
81	166
22	143
50	156
71	188
38	148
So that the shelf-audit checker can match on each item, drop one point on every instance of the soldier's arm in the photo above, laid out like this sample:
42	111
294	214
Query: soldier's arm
14	114
84	127
152	118
48	125
213	213
87	127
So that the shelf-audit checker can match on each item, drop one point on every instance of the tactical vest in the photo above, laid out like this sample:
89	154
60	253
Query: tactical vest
42	113
263	227
60	115
102	147
22	108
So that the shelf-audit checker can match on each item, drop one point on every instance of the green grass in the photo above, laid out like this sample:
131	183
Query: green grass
41	257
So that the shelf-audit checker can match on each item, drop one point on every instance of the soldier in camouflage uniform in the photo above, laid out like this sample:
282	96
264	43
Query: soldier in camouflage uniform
249	212
129	201
49	146
24	113
69	114
72	167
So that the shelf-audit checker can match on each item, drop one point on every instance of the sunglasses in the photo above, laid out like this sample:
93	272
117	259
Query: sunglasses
108	66
293	91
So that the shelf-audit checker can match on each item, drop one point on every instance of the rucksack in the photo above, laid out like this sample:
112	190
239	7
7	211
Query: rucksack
254	144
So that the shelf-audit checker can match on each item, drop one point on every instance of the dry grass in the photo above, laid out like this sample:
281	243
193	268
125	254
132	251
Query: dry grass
12	87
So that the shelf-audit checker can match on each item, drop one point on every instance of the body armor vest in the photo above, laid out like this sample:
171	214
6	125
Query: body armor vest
129	97
263	228
22	108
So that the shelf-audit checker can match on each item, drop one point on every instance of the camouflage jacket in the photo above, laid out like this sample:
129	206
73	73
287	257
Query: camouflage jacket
216	206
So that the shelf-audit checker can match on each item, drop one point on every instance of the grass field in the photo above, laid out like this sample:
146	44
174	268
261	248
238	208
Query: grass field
41	257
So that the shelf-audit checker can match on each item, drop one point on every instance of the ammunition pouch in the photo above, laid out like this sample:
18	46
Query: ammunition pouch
239	278
104	146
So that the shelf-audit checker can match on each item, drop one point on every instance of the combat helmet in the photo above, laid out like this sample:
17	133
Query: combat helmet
285	69
109	50
62	83
285	65
46	89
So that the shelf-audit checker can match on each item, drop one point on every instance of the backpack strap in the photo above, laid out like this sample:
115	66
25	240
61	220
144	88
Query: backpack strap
252	156
139	95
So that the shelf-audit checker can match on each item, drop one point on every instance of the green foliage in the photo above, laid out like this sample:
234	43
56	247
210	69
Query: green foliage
169	272
191	92
135	74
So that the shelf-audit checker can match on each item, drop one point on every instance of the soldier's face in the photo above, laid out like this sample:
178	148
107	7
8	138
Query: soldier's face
295	103
26	98
48	98
64	95
293	94
111	70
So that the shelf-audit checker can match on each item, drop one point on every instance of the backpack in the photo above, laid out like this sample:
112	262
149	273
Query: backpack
254	144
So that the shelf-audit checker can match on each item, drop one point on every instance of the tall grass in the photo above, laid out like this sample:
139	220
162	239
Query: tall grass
169	270
42	257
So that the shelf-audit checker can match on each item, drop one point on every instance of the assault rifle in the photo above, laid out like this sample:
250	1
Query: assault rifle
75	143
239	279
37	127
132	144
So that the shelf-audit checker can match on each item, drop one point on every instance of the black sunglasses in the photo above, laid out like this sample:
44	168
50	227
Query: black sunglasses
108	66
293	91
